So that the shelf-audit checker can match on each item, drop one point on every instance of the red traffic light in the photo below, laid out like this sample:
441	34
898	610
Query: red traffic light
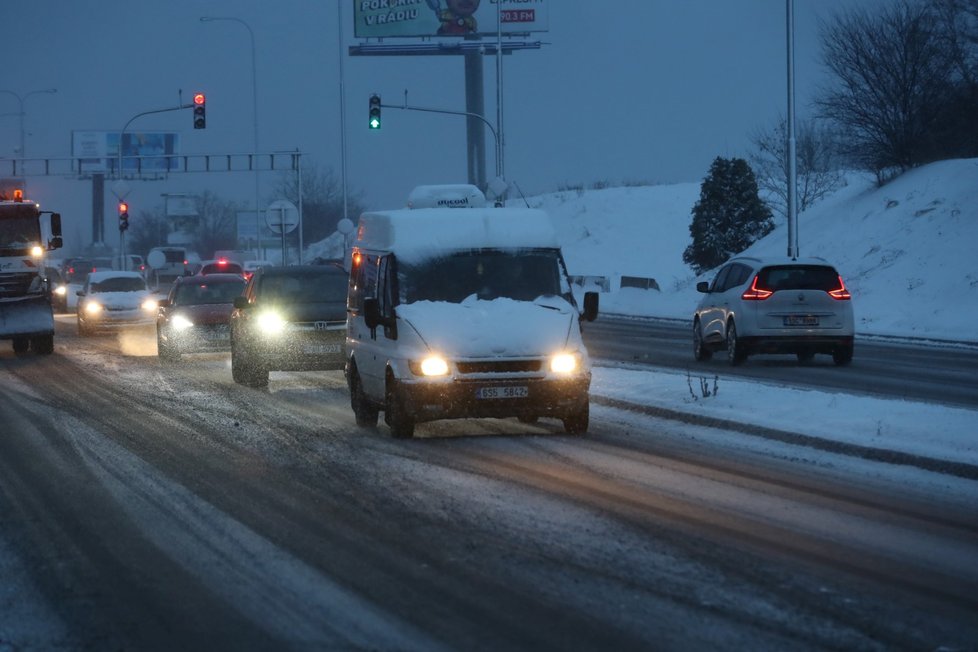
123	207
200	104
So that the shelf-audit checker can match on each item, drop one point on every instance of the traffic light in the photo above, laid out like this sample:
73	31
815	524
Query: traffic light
200	105
123	216
374	117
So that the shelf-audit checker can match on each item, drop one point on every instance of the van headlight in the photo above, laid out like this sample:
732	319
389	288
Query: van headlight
433	365
564	363
271	323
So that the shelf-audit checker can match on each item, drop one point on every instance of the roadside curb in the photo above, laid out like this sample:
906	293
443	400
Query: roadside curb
946	467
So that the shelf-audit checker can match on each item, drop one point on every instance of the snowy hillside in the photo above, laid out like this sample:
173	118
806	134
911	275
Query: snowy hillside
907	250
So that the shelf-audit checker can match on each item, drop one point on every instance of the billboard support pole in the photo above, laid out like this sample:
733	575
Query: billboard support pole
475	104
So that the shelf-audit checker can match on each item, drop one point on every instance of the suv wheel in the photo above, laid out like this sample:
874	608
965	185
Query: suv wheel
166	352
736	351
842	355
700	351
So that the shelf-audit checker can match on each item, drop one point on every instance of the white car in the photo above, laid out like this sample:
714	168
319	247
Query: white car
782	305
113	300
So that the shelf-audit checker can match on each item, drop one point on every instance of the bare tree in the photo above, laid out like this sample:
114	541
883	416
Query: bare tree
816	166
322	201
216	227
894	78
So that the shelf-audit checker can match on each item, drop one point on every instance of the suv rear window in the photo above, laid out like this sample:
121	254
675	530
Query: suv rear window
799	277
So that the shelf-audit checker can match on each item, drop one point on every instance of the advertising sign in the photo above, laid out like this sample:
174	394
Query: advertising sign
142	152
458	18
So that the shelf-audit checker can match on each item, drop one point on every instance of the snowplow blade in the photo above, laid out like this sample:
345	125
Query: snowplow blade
26	317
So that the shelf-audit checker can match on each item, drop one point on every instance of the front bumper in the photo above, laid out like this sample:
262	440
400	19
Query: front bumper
198	339
458	399
306	350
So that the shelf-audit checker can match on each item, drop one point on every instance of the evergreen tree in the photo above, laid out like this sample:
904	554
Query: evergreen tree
728	217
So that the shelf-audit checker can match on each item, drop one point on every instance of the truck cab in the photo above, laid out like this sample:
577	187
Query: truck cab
459	310
26	316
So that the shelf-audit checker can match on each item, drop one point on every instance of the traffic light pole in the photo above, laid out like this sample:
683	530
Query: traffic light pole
405	107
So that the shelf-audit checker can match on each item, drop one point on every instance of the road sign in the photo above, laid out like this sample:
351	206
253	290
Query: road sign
282	216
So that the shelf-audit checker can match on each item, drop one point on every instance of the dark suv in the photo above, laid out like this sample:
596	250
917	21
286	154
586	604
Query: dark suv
782	305
289	319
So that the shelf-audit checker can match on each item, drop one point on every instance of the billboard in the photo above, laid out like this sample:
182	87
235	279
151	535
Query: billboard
459	18
142	152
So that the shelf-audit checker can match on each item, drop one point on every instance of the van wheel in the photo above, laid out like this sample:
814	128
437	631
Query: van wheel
701	353
395	414
736	351
364	412
576	423
244	371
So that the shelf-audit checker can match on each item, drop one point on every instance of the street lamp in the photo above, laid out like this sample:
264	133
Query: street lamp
20	100
254	113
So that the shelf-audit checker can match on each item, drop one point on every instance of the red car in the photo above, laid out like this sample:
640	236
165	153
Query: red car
194	317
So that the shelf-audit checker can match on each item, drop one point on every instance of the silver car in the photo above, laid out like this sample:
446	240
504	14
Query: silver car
784	305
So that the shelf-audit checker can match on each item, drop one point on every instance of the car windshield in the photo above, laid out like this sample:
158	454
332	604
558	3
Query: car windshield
488	274
799	277
20	230
306	286
119	284
191	294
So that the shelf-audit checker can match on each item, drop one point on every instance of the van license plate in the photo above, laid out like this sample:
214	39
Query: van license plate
507	391
801	320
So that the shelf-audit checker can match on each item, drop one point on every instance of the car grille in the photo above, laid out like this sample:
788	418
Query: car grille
499	366
15	284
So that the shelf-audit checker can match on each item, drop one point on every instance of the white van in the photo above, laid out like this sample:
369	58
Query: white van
463	312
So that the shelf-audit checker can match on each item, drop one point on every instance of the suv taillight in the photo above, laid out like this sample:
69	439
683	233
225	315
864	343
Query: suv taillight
755	293
840	293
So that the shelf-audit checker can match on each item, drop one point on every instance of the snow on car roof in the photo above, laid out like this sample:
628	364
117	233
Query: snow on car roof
419	233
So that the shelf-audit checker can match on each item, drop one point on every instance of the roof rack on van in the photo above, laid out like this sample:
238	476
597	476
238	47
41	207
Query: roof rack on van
459	195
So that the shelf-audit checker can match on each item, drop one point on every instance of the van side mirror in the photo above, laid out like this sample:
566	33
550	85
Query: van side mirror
590	306
241	302
703	286
371	313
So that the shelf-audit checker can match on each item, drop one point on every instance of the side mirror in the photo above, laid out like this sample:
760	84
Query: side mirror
80	293
590	306
56	226
55	243
163	303
371	313
703	286
241	303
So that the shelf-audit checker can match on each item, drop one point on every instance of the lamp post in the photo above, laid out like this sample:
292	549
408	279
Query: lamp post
20	100
254	114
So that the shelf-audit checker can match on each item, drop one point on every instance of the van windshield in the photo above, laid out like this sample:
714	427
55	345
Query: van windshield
522	275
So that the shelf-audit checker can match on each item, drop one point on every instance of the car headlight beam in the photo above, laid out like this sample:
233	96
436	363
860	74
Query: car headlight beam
434	366
181	323
270	323
563	363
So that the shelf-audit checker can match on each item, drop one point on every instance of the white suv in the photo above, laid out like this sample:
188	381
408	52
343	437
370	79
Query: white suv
783	305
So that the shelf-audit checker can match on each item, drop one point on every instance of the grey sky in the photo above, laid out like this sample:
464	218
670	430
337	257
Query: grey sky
648	90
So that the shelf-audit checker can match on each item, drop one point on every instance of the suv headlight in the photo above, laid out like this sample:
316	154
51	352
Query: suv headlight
181	323
271	323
